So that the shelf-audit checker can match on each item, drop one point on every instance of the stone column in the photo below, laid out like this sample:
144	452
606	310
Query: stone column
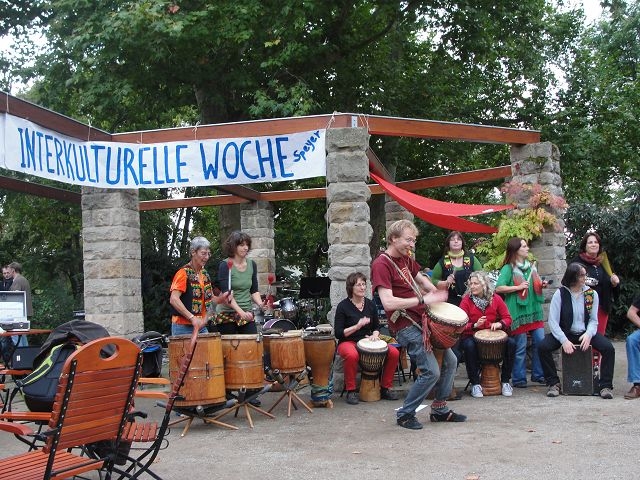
539	163
111	252
394	211
256	220
349	231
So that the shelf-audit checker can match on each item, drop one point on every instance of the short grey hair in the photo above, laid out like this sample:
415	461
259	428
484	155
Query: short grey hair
197	243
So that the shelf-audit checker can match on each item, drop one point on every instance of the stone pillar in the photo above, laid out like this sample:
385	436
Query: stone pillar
539	163
349	231
394	211
111	252
256	220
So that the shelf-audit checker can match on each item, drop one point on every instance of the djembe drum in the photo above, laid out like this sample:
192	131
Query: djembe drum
372	354
491	351
319	350
446	324
204	384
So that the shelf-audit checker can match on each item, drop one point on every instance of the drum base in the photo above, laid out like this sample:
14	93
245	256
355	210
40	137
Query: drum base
490	379
369	389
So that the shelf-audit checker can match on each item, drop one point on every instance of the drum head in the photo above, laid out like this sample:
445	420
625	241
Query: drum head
240	336
188	336
489	336
372	345
447	313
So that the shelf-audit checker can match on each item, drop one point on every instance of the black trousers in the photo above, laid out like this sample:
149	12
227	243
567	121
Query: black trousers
599	342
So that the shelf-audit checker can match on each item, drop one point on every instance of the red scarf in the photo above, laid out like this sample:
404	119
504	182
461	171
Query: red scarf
591	260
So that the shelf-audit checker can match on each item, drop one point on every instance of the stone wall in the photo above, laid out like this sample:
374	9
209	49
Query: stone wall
349	231
111	251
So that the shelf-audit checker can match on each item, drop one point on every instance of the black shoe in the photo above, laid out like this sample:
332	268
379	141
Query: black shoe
255	402
388	394
409	421
450	416
352	397
540	380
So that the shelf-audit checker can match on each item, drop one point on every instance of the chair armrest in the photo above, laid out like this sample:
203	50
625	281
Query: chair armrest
16	428
25	416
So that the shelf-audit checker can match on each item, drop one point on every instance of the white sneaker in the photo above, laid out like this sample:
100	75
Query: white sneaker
476	391
507	389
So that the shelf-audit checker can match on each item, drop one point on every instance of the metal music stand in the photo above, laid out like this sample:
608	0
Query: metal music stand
315	288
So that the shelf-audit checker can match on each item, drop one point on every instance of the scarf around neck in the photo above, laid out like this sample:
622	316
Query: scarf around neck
591	260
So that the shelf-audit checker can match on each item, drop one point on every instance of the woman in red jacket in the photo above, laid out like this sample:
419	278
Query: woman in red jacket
486	310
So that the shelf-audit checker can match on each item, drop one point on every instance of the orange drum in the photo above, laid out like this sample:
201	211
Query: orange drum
243	361
447	323
286	351
204	383
319	350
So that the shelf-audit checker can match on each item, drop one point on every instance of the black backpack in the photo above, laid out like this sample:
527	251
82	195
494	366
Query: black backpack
151	343
39	387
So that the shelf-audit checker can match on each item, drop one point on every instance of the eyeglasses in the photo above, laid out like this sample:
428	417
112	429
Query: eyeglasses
360	284
204	253
409	239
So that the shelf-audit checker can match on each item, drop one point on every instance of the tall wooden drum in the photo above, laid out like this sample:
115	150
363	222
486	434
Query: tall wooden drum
286	351
243	361
204	383
372	355
319	350
491	351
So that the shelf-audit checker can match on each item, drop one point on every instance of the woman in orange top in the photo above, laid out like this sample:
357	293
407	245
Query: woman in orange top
192	293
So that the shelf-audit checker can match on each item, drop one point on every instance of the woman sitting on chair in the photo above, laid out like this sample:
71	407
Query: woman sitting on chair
573	321
357	318
486	310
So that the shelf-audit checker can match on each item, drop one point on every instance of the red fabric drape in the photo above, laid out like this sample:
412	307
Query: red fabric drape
441	214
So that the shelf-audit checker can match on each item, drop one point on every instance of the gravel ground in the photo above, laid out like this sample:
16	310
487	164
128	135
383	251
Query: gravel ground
525	436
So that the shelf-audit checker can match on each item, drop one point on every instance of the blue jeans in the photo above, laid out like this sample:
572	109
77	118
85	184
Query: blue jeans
633	357
519	374
179	329
430	374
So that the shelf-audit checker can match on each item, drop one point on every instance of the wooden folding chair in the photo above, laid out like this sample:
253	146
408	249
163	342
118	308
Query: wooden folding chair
94	397
152	433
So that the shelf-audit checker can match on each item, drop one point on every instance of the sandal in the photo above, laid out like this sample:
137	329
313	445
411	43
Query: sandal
450	416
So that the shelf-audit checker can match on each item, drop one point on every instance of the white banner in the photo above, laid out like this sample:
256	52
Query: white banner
29	148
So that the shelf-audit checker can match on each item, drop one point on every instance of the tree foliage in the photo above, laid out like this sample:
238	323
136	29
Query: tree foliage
596	124
127	65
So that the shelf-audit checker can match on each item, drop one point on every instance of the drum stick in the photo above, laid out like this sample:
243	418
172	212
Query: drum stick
230	265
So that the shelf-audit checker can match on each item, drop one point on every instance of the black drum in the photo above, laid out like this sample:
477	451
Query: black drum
280	324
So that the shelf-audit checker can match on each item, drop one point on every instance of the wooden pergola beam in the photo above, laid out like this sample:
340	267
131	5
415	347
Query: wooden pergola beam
376	125
50	119
45	191
476	176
